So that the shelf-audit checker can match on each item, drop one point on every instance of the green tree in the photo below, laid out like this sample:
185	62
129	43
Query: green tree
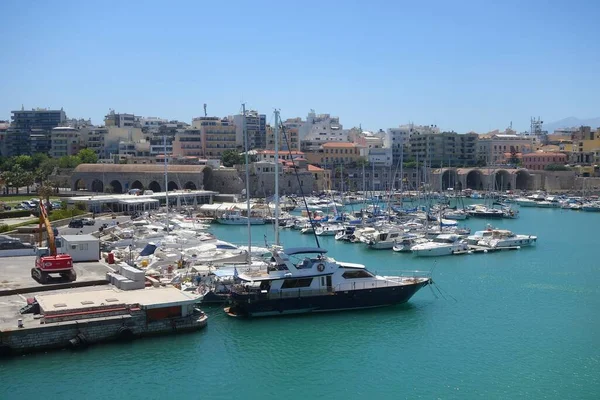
229	158
25	162
556	167
87	156
38	159
362	162
45	191
68	161
45	169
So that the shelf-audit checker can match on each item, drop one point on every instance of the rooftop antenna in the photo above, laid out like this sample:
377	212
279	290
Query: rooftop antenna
205	110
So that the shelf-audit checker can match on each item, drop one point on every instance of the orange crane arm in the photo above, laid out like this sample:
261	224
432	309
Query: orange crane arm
46	221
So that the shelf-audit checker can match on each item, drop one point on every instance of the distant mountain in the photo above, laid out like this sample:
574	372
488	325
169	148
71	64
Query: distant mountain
572	122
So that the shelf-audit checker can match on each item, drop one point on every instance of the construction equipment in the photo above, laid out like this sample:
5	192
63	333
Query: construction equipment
48	260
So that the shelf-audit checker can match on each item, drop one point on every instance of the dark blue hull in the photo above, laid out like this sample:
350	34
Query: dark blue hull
243	305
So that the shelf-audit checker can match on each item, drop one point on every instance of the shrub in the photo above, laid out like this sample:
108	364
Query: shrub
4	228
15	214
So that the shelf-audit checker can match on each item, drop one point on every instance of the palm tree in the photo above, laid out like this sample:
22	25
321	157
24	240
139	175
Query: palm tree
45	191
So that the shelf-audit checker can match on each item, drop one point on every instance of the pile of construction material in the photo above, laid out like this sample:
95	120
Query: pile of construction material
127	277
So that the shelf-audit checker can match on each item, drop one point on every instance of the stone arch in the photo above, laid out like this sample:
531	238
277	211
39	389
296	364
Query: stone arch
523	181
172	186
116	186
154	186
449	179
474	179
137	185
502	180
80	184
97	186
189	185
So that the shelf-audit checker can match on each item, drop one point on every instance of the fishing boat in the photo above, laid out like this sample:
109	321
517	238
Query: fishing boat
317	283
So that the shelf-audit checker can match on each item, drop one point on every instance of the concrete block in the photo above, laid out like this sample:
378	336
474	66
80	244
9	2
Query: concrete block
132	273
131	285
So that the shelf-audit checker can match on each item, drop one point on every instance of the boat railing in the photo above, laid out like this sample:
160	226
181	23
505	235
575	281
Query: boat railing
382	283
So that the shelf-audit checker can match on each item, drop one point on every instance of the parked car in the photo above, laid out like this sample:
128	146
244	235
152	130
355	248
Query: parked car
89	221
76	223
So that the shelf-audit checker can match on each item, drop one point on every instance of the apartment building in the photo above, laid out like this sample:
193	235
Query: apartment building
65	141
492	149
444	149
218	135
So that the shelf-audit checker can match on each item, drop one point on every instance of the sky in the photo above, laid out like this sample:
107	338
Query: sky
460	65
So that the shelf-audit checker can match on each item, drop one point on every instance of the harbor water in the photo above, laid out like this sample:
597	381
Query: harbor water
511	324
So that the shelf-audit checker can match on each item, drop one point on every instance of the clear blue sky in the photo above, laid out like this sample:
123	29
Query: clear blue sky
463	65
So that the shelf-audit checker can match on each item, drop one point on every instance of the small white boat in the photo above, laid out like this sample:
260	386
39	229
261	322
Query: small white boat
405	244
327	229
385	240
505	238
235	218
457	215
443	245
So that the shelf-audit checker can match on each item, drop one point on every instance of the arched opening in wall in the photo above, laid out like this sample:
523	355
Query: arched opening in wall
189	186
523	180
154	186
97	186
502	181
475	180
79	185
449	179
172	186
116	187
137	185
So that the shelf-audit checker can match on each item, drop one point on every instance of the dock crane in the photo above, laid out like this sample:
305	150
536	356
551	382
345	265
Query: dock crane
48	260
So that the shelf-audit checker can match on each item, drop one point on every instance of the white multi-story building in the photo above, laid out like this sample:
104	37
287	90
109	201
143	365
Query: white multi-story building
496	148
398	139
152	122
64	141
379	156
322	128
256	127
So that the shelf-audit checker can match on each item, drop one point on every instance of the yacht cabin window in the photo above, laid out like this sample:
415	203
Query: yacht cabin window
296	283
359	273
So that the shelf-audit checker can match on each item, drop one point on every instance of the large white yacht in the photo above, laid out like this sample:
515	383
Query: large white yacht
505	238
443	245
317	283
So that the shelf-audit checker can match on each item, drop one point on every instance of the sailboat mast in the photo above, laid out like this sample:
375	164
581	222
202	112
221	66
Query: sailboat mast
245	131
276	137
166	181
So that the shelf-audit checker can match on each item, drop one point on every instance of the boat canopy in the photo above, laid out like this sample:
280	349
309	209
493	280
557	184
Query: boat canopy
300	250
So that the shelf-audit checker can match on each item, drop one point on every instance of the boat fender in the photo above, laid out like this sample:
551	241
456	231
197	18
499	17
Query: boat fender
321	267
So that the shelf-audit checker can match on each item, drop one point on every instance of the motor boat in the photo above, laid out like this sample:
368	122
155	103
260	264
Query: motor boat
505	238
406	242
384	239
442	245
236	218
346	234
457	215
327	229
305	280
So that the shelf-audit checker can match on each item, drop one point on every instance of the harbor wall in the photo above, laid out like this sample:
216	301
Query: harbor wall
81	332
555	181
223	180
263	185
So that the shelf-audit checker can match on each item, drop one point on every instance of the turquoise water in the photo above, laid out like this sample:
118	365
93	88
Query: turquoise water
525	324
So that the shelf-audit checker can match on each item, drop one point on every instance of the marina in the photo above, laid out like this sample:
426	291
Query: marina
515	311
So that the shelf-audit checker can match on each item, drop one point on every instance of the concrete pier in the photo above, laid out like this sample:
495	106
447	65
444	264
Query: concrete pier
77	318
